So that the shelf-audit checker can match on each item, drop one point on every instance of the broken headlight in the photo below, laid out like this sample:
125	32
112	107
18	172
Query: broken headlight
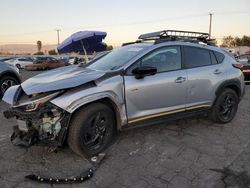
35	103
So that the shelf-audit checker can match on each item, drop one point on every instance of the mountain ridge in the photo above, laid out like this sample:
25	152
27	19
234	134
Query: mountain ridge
25	48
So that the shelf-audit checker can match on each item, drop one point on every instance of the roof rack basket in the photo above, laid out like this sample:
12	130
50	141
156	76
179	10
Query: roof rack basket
173	34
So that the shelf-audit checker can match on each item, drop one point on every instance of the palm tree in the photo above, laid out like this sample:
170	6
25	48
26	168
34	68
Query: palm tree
39	45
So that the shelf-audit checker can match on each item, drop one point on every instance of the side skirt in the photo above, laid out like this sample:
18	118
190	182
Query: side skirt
167	118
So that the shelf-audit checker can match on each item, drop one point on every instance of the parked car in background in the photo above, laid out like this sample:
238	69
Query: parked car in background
246	72
244	59
71	60
77	60
42	59
46	63
20	62
6	59
9	76
171	77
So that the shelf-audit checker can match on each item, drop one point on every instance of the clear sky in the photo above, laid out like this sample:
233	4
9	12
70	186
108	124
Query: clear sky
26	21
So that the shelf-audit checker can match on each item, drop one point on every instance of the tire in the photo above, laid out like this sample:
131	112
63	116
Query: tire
92	129
5	83
225	107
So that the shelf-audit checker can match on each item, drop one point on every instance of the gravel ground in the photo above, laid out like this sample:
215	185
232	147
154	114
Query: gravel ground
178	154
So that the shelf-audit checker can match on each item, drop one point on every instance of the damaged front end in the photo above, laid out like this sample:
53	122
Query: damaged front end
38	121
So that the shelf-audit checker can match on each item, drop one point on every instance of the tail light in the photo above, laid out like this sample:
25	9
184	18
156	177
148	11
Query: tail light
238	66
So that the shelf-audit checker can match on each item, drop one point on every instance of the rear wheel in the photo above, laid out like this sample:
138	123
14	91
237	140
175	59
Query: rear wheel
92	129
225	106
5	83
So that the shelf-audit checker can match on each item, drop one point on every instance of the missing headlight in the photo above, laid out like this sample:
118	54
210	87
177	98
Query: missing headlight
36	102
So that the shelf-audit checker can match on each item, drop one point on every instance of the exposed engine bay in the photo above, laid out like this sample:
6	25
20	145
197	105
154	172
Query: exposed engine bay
47	125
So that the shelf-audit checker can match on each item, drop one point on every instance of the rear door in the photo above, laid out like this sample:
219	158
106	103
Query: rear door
205	73
159	94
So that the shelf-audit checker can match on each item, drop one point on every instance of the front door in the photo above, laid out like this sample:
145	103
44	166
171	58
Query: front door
160	94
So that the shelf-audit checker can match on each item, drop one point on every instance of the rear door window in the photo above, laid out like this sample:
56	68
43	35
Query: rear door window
196	57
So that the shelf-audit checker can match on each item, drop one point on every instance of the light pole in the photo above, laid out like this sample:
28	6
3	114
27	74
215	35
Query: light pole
58	37
210	24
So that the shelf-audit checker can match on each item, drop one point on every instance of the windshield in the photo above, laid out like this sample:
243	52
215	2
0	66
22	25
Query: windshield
117	58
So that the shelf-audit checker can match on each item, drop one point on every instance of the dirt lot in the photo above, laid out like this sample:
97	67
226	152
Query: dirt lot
178	154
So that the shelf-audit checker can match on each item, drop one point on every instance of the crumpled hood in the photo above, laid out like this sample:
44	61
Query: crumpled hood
61	78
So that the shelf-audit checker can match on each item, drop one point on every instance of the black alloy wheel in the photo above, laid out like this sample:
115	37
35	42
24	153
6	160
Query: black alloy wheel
225	106
95	130
92	129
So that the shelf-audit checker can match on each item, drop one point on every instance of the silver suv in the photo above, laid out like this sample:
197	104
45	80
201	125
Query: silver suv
164	75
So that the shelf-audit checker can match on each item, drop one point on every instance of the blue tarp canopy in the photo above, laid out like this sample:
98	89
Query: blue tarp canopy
90	40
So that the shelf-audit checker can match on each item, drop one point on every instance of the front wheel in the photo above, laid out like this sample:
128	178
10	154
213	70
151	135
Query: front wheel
225	106
92	129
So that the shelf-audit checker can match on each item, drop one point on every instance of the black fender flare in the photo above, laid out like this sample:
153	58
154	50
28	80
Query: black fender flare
11	73
232	84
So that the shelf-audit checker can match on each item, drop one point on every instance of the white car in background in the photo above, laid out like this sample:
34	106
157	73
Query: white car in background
20	62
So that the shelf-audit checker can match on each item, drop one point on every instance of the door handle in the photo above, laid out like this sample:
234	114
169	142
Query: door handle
180	79
217	71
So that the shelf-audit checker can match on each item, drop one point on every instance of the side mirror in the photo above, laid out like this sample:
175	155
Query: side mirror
141	72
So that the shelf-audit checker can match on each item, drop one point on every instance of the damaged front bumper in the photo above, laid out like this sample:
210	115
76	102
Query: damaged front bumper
45	126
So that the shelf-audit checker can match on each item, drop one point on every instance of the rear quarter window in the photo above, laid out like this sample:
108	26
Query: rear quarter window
213	58
219	56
